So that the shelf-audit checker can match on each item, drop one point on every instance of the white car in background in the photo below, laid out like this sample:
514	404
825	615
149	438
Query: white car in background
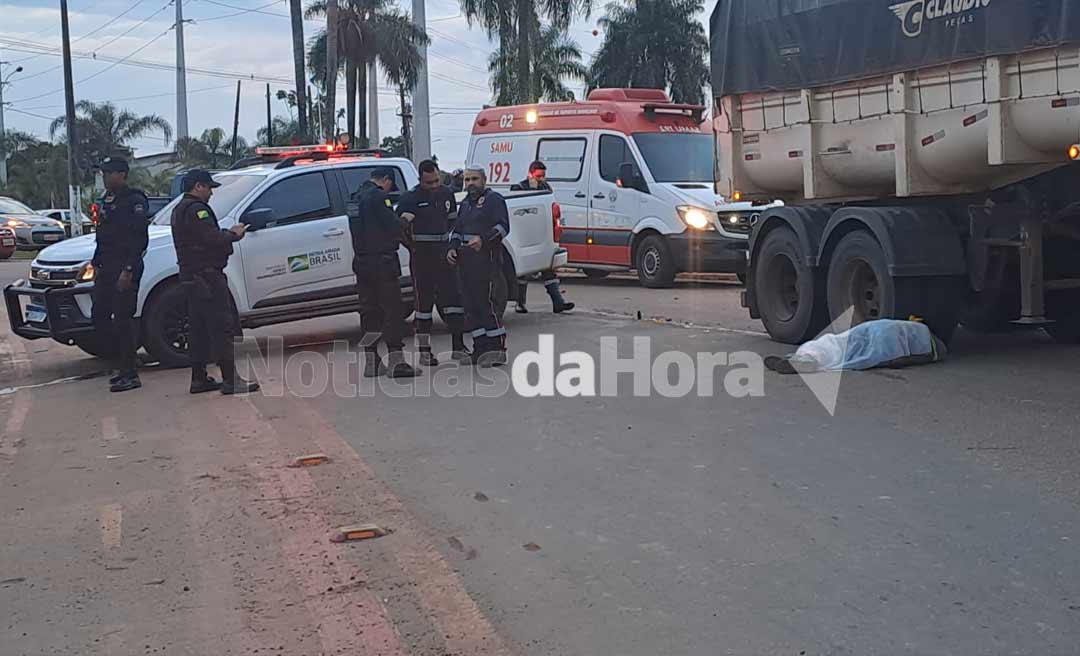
32	230
64	217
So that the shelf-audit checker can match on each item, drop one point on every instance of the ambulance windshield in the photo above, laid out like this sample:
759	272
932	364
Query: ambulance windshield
677	157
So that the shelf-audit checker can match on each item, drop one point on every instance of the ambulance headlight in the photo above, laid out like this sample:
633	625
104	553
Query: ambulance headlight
696	218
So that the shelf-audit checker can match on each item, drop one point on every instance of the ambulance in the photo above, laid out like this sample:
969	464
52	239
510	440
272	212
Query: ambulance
633	174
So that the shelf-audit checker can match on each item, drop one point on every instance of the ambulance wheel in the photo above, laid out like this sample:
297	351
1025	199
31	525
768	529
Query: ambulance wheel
655	266
165	326
595	274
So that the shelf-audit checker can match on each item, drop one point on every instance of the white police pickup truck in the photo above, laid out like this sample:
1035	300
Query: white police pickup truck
295	263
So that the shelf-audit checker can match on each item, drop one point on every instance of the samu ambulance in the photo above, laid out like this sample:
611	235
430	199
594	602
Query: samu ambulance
633	174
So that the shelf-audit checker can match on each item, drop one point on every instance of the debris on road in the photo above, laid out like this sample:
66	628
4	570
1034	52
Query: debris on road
311	460
358	532
480	496
532	546
881	343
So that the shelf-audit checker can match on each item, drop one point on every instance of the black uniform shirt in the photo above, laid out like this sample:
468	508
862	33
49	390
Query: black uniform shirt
485	216
200	243
432	210
525	186
374	226
122	231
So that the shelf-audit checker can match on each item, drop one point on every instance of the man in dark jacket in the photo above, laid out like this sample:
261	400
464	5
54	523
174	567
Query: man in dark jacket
376	235
476	251
428	208
202	251
537	181
122	236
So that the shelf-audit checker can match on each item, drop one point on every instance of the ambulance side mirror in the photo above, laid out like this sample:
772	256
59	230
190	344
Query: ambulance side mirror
630	180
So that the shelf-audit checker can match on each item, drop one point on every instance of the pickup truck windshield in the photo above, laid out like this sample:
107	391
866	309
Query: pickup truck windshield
677	157
232	190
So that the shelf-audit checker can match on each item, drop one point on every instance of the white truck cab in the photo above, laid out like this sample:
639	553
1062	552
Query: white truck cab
294	263
633	174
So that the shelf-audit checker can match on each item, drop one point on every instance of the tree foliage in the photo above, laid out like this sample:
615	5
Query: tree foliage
103	130
558	58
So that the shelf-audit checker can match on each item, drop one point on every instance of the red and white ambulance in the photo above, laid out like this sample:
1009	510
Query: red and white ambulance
633	174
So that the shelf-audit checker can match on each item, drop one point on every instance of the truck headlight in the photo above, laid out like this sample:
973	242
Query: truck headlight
87	273
696	218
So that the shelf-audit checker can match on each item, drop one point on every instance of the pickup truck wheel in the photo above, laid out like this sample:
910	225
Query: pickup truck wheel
655	266
502	295
859	279
595	274
791	305
165	322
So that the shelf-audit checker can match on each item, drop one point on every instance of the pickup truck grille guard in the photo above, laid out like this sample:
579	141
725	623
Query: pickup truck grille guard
63	319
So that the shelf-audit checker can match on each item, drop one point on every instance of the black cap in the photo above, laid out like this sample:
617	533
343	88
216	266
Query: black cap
195	176
114	165
382	172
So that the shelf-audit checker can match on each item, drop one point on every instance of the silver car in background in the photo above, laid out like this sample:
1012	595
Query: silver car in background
32	230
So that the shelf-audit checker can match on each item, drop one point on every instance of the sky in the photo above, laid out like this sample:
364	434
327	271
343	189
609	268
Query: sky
226	40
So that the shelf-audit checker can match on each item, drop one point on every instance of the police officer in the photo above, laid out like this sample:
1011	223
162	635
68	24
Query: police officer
376	235
537	181
476	250
202	251
428	208
122	236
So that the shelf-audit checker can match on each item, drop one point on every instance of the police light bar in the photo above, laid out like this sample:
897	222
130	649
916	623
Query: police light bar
285	151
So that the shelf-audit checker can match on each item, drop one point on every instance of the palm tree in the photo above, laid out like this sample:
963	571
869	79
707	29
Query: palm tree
368	31
286	132
517	23
296	13
105	131
558	58
657	44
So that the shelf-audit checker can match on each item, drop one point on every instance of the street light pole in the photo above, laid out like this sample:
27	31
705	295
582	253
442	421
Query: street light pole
69	119
181	75
3	142
420	107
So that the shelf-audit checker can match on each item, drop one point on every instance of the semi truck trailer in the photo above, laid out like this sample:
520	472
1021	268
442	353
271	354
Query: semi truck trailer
924	150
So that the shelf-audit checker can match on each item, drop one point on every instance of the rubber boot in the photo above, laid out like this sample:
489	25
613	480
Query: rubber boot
398	367
523	292
423	343
558	303
461	352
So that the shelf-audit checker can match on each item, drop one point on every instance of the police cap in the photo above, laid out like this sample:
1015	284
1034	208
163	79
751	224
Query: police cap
382	172
114	165
195	176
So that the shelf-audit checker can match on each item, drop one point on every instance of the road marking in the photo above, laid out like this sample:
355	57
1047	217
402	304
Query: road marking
707	327
109	429
112	519
8	391
17	418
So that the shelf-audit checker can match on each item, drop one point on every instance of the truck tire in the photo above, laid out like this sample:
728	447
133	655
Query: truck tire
595	274
859	279
791	305
654	264
165	326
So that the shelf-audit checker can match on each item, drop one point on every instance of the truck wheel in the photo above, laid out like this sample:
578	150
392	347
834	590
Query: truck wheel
595	274
792	308
165	322
859	279
655	267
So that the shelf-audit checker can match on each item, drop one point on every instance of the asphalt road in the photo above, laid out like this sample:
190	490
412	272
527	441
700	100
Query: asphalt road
935	513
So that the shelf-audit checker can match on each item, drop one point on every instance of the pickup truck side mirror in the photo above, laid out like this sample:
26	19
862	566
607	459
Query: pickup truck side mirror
630	180
258	219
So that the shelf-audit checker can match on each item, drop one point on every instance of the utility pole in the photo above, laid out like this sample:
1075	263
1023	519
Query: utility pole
181	75
69	119
3	144
373	104
236	122
296	13
420	106
269	120
406	123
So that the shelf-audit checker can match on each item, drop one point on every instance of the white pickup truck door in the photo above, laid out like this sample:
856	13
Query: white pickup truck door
565	157
530	229
306	255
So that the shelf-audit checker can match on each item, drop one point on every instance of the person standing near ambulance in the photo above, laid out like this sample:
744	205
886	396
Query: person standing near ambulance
428	208
537	181
476	250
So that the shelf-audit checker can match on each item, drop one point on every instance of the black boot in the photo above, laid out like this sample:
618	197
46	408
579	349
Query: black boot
201	382
523	292
558	303
373	365
461	352
232	383
128	381
398	367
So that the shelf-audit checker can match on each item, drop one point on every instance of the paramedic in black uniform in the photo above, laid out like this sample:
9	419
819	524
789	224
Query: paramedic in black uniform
428	208
476	250
537	181
122	236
